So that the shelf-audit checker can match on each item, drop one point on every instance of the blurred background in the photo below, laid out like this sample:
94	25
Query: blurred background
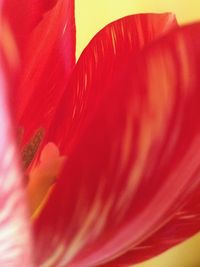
91	16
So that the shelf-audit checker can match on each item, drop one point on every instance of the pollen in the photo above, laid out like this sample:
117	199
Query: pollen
30	149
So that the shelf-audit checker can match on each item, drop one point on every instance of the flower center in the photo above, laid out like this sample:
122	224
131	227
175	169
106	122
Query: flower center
43	173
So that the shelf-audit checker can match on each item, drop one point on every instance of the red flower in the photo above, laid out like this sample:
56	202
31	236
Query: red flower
124	119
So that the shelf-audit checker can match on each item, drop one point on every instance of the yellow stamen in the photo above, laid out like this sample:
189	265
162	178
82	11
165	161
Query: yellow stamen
43	176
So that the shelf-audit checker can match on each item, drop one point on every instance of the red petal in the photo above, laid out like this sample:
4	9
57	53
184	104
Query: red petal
175	165
23	17
180	56
96	67
47	59
83	211
15	245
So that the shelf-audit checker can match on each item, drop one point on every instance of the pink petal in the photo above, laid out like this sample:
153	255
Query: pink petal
91	206
15	241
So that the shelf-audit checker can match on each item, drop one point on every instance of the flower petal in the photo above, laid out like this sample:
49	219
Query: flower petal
24	17
175	165
96	67
134	175
47	59
96	135
15	241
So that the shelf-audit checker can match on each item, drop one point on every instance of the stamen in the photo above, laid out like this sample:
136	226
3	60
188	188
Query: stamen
43	176
31	148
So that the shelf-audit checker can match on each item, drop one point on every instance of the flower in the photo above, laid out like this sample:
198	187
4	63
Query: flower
110	145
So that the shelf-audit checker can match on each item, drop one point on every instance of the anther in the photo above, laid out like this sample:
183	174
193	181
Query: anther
31	148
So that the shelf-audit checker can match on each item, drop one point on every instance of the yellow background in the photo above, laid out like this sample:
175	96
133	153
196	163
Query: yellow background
91	16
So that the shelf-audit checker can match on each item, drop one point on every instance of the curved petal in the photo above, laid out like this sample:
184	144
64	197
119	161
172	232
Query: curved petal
165	204
96	126
175	60
47	59
182	225
15	241
96	67
140	144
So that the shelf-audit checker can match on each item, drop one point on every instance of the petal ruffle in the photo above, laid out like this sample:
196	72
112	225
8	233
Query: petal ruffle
92	200
47	59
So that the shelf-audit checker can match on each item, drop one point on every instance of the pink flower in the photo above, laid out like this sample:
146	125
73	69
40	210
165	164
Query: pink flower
110	146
